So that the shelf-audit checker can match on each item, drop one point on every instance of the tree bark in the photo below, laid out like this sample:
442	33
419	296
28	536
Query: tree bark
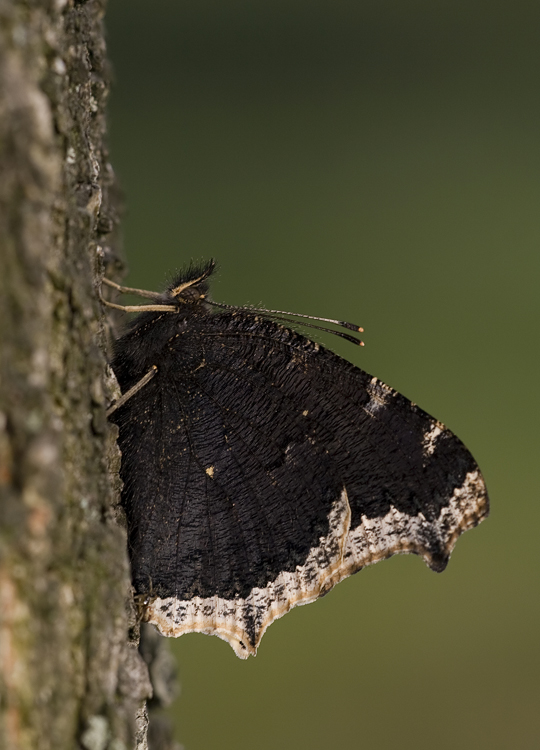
70	672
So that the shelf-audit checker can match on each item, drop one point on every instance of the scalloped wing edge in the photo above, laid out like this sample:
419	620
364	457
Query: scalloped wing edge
339	554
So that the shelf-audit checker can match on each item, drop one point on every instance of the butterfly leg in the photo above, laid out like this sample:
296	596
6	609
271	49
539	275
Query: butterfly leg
132	391
131	290
135	308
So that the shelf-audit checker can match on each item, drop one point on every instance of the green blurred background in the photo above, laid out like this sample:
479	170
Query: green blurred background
376	161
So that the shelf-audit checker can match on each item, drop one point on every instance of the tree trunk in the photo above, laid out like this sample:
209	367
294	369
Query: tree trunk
70	672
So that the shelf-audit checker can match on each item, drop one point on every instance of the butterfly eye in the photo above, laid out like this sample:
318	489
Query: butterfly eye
190	295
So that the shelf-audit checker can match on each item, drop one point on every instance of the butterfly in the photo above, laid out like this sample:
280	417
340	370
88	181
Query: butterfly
260	469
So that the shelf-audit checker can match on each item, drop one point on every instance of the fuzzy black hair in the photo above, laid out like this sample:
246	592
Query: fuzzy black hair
195	270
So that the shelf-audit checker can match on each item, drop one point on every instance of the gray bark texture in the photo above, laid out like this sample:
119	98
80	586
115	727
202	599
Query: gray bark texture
70	672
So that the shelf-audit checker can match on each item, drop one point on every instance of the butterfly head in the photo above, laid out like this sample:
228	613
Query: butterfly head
191	286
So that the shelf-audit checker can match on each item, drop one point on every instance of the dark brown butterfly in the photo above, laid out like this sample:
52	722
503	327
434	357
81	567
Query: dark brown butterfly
260	469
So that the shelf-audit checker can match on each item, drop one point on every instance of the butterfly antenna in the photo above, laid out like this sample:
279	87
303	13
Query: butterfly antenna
342	335
276	314
341	323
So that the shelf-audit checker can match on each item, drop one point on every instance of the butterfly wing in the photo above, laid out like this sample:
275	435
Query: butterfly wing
260	469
